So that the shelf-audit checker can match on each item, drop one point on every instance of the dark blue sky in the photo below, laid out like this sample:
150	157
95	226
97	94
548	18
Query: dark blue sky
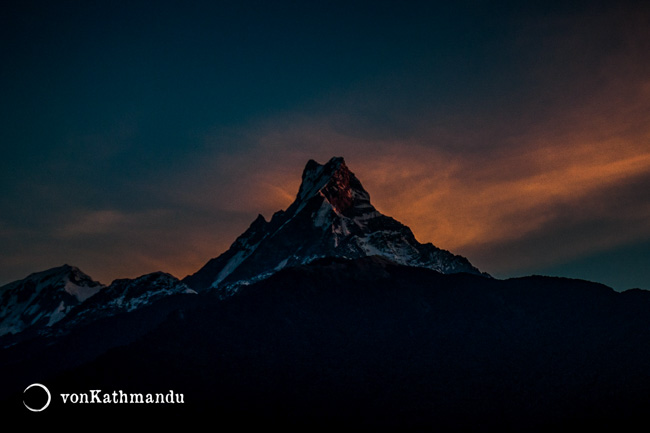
140	136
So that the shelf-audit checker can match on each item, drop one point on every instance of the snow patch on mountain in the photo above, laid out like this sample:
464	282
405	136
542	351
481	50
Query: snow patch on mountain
323	216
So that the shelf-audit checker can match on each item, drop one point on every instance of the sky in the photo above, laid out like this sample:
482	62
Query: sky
146	136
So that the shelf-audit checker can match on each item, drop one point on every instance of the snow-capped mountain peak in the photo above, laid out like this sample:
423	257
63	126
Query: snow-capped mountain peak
52	301
336	184
43	298
125	295
332	216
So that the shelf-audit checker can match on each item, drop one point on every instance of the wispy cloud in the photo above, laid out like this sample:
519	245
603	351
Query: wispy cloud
92	222
575	184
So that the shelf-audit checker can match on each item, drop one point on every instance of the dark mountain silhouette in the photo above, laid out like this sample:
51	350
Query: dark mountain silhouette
369	343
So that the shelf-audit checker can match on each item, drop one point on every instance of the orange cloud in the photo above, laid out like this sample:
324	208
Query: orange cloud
470	202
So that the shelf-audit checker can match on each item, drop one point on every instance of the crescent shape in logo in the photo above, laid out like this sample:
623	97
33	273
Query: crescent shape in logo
49	397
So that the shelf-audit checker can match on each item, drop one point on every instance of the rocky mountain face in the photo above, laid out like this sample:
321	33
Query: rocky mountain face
124	296
44	298
52	302
332	216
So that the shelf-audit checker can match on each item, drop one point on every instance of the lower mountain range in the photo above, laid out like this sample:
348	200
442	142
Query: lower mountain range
331	315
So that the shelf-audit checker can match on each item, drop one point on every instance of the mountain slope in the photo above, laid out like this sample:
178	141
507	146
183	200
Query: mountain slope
331	217
55	301
123	296
43	298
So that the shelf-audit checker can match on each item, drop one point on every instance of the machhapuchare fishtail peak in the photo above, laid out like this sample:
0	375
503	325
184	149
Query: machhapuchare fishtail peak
331	216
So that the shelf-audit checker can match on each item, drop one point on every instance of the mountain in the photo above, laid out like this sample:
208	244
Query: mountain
331	217
54	301
124	296
43	298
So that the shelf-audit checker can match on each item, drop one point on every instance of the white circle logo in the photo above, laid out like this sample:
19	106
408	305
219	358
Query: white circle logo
47	391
